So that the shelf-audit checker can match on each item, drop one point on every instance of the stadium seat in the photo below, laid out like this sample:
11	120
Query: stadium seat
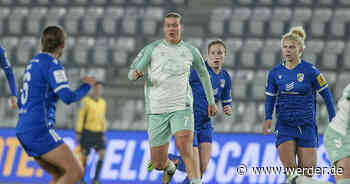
245	2
265	2
82	49
43	2
10	44
129	25
62	2
110	19
26	48
326	2
331	52
300	16
331	78
343	80
249	116
4	13
338	23
66	58
196	42
6	2
117	1
242	79
34	19
157	2
120	57
259	84
270	52
284	2
72	19
312	50
278	20
234	46
238	21
81	2
217	20
101	2
249	52
344	2
54	16
16	20
304	2
92	15
319	19
151	18
257	20
126	43
346	55
100	51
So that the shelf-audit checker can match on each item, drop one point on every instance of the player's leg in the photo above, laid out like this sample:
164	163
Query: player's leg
343	165
286	147
182	127
62	157
159	134
101	150
205	138
54	172
307	158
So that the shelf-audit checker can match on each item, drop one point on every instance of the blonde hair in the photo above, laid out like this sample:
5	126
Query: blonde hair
295	34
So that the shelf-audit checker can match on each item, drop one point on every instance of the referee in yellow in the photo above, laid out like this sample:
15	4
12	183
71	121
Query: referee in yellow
91	126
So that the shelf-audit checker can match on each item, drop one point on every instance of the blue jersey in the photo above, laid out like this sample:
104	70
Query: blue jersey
295	90
221	84
44	82
5	65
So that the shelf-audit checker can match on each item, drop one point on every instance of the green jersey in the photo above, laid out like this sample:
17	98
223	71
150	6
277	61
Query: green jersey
167	70
341	122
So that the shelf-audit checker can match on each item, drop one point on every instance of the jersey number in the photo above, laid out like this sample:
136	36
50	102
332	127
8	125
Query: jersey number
25	88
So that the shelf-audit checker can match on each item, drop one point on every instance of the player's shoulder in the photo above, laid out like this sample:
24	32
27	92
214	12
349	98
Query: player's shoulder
190	46
226	73
308	66
153	44
276	68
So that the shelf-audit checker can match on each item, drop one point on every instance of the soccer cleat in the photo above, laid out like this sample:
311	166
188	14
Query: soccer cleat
291	179
167	176
150	166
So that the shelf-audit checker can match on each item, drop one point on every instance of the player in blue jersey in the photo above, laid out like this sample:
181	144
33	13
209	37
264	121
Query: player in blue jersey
221	83
5	65
292	87
44	83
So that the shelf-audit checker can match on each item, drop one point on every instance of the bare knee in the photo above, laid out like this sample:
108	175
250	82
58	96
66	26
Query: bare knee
159	165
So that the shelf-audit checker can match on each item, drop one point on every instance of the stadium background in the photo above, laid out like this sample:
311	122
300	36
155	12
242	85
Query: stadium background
105	35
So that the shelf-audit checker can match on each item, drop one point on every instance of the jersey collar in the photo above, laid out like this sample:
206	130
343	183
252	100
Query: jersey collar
173	45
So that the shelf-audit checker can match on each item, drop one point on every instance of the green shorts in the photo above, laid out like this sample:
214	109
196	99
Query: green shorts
162	126
336	144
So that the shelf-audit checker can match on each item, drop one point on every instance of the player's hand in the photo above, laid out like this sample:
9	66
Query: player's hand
227	110
90	80
137	74
212	109
13	100
267	126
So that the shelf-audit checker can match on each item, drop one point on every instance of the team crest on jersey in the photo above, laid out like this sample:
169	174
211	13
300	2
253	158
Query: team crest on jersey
321	80
300	77
222	83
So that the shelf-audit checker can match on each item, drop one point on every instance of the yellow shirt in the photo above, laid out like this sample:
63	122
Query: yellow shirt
92	115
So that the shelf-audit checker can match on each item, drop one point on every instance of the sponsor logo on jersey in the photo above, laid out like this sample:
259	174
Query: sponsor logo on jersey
222	83
300	77
289	86
60	76
321	80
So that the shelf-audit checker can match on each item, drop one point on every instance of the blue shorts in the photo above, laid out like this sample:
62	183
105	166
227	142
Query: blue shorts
305	136
203	133
39	141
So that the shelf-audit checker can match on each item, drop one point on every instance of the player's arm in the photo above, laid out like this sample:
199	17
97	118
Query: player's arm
59	82
321	86
140	63
226	97
271	93
201	69
5	65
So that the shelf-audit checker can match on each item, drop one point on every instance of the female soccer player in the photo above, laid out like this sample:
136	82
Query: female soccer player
294	83
44	83
5	65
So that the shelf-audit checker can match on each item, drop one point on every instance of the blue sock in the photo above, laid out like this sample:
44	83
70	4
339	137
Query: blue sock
180	165
186	181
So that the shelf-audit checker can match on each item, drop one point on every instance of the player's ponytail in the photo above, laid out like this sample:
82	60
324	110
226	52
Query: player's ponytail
52	38
296	34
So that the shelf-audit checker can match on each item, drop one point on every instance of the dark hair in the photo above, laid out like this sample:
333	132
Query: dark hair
99	83
173	15
217	41
52	38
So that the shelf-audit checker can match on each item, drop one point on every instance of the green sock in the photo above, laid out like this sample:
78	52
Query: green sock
344	181
308	180
196	181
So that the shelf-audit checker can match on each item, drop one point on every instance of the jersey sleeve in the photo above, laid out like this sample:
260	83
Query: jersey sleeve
318	80
141	61
271	86
59	83
5	65
199	66
81	116
226	97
